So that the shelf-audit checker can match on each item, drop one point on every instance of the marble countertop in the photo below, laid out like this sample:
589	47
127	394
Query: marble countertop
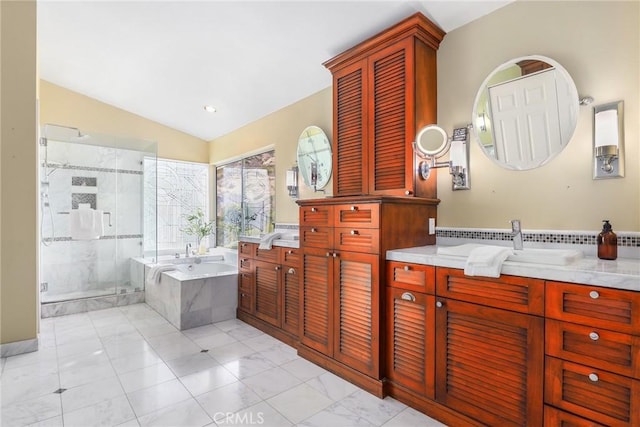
623	273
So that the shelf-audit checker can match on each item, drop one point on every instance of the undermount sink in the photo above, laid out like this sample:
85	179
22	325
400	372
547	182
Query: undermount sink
529	255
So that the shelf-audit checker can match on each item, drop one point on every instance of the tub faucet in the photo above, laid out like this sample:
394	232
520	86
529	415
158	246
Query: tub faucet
186	250
516	233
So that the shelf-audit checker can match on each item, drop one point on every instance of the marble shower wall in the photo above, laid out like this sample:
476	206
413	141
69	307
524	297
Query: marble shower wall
110	178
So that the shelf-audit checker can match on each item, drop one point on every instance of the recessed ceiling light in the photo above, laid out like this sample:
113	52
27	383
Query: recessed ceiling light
209	108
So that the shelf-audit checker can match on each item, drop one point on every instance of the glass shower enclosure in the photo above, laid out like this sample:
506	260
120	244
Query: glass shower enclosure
97	213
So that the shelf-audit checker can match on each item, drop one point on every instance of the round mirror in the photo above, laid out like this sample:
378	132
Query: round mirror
314	157
432	141
525	112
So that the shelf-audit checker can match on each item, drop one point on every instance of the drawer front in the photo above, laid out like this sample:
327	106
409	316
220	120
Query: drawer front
268	255
357	215
614	309
245	264
595	347
246	249
316	215
412	277
245	282
245	302
365	240
318	237
513	293
556	418
290	256
598	395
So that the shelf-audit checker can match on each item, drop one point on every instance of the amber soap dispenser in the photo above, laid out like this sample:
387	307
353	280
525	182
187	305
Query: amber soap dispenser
607	242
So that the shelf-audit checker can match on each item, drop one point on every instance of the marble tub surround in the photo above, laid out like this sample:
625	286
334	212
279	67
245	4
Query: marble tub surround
623	273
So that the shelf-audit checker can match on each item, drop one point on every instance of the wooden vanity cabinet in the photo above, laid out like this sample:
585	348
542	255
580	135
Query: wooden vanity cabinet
384	90
592	351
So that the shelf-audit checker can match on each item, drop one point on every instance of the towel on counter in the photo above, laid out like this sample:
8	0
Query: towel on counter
86	224
486	261
267	241
155	273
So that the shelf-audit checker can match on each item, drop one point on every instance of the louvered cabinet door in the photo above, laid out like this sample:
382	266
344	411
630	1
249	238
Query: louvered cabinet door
291	298
391	120
410	335
350	130
490	363
266	293
356	311
316	300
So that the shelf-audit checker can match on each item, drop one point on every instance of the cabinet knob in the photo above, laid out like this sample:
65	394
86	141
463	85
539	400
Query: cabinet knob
594	378
244	245
594	336
407	193
439	304
292	271
314	210
354	232
289	252
408	296
335	255
354	208
407	268
313	230
277	267
328	253
594	294
243	295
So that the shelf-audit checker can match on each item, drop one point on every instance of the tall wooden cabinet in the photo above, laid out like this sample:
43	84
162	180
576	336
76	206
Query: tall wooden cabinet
384	90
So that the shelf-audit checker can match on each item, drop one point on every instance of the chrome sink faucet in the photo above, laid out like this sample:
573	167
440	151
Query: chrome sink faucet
186	250
516	233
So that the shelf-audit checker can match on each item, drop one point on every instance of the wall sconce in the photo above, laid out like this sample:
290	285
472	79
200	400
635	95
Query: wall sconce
481	122
292	182
608	141
432	142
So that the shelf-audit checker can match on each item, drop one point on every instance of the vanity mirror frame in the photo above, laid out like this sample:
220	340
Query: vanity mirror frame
315	159
563	120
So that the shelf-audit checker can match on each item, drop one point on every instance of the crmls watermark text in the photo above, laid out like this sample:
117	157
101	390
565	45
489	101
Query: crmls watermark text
248	418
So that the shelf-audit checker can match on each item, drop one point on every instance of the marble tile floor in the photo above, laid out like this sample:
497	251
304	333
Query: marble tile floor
127	366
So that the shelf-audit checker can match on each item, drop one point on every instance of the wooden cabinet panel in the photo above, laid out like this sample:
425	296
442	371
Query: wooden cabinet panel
364	240
600	348
290	256
614	309
266	291
514	293
357	215
246	249
245	301
356	311
245	264
556	418
319	237
489	363
316	300
291	299
598	395
413	277
268	255
411	337
319	215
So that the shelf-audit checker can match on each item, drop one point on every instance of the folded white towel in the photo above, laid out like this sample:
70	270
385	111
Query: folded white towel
86	224
486	261
155	273
267	241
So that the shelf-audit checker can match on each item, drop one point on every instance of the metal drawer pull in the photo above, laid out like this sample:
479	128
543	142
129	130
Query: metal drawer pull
594	378
354	208
594	336
354	232
407	268
594	294
407	192
408	296
292	271
439	304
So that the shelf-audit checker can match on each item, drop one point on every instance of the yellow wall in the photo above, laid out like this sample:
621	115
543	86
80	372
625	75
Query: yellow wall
280	129
18	194
598	44
61	106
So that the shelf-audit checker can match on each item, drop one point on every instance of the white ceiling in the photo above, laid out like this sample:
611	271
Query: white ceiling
164	60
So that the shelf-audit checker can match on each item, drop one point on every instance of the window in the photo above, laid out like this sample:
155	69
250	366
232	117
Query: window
245	198
182	188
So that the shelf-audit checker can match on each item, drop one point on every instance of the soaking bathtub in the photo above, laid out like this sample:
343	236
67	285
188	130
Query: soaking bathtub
192	295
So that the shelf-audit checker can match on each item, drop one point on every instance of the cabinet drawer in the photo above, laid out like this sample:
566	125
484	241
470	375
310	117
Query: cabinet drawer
319	237
245	264
245	302
595	347
614	309
268	255
246	249
245	281
357	215
365	240
556	418
595	394
316	215
290	256
412	277
514	293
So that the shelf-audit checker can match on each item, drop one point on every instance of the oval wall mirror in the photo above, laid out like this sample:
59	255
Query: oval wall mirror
314	157
525	112
432	141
